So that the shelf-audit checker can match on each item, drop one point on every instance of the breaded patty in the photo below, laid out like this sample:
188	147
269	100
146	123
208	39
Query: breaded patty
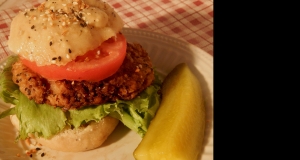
135	75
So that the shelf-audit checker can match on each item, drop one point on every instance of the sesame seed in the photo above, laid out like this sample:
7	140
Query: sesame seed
75	3
88	13
68	56
83	24
64	4
43	154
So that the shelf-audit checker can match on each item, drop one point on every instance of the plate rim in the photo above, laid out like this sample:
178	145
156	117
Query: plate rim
169	39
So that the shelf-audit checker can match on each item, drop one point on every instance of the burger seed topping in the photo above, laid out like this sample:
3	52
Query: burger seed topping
64	19
53	60
43	154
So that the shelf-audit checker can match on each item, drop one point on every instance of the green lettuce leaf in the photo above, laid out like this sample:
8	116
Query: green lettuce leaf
9	91
40	119
136	114
45	121
10	111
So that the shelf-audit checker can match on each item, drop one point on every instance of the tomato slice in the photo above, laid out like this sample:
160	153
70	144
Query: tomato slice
92	66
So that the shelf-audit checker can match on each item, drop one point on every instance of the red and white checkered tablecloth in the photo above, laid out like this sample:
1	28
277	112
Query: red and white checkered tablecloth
188	20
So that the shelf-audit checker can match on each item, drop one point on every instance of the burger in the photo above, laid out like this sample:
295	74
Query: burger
73	76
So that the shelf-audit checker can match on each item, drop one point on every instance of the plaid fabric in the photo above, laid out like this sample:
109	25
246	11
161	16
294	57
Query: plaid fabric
191	20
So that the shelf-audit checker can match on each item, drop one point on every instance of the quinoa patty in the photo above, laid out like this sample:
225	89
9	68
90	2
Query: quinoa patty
135	75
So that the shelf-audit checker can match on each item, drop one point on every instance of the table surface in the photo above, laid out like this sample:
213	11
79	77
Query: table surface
188	20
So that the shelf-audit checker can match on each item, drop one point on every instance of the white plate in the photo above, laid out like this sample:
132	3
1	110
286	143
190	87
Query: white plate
166	52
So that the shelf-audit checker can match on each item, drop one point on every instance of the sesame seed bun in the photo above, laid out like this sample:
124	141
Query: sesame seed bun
56	32
77	140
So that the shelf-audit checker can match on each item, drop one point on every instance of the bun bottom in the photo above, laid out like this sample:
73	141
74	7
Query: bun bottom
77	140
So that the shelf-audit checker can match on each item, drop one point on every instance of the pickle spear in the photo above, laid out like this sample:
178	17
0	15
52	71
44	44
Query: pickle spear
177	130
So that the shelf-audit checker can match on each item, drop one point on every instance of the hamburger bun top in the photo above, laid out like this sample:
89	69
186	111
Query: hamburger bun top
58	31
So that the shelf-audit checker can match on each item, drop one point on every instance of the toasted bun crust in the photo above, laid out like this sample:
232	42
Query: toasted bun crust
77	140
58	31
